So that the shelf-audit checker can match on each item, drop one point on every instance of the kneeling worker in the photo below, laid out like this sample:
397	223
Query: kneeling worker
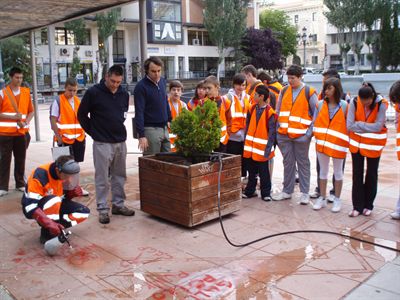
44	198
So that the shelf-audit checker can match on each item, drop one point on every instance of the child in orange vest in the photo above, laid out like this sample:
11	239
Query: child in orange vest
199	96
211	85
332	140
240	106
176	105
394	95
259	142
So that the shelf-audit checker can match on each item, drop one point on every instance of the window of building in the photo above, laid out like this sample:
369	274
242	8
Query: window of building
118	45
362	59
314	60
64	37
314	16
41	37
351	60
334	39
296	19
85	76
203	66
194	37
167	11
314	38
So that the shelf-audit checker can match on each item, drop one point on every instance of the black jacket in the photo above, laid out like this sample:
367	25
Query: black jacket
107	113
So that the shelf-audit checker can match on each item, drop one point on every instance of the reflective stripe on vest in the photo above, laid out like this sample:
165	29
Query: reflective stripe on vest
174	114
8	126
331	134
294	118
239	113
369	144
68	124
256	139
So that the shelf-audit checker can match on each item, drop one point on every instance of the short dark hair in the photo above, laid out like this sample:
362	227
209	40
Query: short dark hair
295	70
153	59
263	90
238	79
71	82
249	69
335	82
331	73
116	70
263	76
13	71
394	93
175	84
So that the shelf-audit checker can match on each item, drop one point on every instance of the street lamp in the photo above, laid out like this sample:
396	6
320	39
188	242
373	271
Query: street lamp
303	38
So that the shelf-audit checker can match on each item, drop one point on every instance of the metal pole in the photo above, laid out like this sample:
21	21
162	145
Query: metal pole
304	45
143	33
34	86
2	83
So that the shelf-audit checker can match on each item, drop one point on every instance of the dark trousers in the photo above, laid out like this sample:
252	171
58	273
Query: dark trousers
234	147
260	168
16	146
332	191
78	150
364	191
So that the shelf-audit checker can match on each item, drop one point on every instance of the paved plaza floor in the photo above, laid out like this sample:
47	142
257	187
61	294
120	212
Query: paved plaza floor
144	257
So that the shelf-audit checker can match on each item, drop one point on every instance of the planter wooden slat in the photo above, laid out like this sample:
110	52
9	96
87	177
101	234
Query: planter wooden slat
187	194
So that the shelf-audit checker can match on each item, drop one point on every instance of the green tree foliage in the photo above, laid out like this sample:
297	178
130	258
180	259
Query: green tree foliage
79	30
107	24
225	21
15	52
279	23
385	54
197	131
395	59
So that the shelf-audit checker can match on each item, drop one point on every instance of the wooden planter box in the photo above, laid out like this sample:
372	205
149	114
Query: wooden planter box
187	194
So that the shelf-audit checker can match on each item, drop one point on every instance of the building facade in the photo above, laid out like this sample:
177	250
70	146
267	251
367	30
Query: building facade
175	33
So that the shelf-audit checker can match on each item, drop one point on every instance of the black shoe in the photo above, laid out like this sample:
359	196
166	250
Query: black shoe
104	218
44	235
266	198
123	211
244	195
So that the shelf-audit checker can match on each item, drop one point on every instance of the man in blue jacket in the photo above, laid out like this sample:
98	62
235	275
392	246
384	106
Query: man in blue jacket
152	112
107	103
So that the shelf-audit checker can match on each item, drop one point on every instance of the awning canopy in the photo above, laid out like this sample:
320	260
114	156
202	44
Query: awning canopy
17	16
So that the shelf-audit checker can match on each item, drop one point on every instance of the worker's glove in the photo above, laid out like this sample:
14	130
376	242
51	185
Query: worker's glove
76	192
53	227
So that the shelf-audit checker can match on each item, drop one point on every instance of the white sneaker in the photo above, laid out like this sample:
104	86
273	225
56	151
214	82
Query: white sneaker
331	198
281	196
319	203
304	199
21	189
314	195
3	193
337	205
85	193
395	215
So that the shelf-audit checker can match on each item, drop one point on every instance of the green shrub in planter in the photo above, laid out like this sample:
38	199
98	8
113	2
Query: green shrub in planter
197	131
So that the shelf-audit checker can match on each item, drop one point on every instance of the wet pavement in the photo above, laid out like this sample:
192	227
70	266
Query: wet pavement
143	257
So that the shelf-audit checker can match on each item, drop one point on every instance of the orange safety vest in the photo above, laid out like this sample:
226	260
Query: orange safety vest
331	135
222	116
398	132
294	117
257	135
275	88
68	124
251	90
8	126
238	113
174	114
370	144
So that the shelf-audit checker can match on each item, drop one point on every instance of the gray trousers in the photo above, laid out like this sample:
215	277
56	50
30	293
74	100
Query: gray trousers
109	162
158	139
295	151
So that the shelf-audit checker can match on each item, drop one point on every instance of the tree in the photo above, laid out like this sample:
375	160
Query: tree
395	59
225	22
78	28
107	24
262	49
279	22
385	54
16	53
